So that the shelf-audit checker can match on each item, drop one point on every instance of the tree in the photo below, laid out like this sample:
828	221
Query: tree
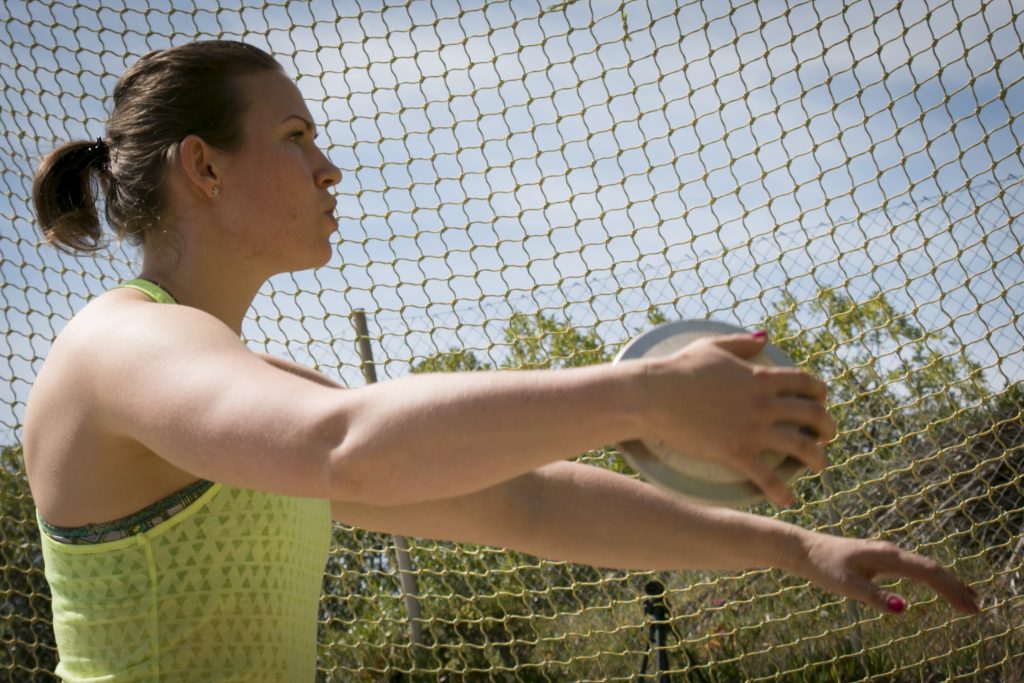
541	341
890	382
27	648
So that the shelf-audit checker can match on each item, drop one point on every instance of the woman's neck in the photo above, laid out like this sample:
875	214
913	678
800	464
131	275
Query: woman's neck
218	289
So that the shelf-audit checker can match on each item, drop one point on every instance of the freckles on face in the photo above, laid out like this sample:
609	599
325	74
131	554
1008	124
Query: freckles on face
279	204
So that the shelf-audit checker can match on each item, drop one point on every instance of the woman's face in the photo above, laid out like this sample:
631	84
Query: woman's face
275	190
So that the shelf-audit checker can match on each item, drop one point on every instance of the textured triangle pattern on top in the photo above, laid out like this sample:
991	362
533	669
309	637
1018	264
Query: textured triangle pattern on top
225	590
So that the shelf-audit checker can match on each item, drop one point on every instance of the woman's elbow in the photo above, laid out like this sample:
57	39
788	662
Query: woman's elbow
356	475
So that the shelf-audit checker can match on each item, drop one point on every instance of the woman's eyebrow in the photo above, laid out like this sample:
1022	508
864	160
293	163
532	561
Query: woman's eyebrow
309	124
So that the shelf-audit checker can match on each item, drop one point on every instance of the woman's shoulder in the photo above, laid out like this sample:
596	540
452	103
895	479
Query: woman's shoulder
93	330
115	337
124	322
99	317
76	448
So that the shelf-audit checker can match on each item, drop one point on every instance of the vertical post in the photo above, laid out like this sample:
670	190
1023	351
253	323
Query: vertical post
406	575
656	609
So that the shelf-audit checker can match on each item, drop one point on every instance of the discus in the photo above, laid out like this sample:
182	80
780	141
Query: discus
693	478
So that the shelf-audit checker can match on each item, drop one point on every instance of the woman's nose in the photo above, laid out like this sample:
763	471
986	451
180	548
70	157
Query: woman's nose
328	175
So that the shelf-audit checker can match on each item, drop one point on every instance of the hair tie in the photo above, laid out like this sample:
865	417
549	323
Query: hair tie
100	152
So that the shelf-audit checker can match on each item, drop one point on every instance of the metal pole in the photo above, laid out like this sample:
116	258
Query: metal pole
406	574
656	609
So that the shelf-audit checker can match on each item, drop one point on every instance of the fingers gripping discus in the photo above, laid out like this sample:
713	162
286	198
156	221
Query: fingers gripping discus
693	478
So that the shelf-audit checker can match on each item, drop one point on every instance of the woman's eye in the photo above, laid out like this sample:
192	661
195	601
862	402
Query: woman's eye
297	135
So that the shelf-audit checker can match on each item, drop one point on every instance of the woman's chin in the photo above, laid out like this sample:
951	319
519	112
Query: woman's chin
323	256
319	259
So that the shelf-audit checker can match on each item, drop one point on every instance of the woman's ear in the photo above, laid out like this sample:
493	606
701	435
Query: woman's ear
199	165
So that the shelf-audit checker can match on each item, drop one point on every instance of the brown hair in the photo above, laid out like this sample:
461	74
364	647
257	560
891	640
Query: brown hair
160	100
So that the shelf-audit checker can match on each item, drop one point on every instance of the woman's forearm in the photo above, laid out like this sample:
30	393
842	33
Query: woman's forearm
586	515
434	436
592	516
583	514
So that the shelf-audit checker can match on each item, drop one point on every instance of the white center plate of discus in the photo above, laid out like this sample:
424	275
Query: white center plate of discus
693	478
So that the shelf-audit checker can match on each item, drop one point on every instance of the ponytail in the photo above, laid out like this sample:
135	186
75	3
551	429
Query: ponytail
167	95
64	195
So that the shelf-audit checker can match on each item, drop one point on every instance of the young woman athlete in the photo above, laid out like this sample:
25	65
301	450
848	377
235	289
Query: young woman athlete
185	485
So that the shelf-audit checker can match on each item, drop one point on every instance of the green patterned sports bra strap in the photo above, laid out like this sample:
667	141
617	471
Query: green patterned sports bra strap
150	289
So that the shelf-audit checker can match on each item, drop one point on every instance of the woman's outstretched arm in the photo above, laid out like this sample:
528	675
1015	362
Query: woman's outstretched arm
583	514
181	383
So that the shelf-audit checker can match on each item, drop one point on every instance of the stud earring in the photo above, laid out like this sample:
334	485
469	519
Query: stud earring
215	192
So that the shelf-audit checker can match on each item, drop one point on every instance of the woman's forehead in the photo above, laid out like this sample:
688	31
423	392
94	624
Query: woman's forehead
272	97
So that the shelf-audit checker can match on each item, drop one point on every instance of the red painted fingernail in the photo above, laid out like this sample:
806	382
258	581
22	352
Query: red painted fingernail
896	604
759	334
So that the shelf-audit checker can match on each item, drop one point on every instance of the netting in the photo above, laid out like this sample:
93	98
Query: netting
530	184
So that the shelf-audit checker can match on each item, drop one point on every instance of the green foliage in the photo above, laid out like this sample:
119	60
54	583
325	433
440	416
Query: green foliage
27	648
542	341
889	380
452	361
655	316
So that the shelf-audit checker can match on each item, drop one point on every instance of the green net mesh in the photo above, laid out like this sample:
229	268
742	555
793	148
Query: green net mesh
529	185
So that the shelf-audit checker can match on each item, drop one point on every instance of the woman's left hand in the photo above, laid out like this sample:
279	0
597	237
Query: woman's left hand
849	567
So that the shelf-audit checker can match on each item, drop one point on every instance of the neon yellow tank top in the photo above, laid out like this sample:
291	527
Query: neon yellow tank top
227	589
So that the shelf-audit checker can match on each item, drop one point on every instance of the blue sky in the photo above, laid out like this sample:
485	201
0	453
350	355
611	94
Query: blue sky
502	157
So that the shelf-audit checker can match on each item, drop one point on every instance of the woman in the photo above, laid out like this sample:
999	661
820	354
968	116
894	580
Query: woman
185	485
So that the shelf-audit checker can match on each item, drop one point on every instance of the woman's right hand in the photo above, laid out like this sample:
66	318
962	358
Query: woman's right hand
708	401
850	567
